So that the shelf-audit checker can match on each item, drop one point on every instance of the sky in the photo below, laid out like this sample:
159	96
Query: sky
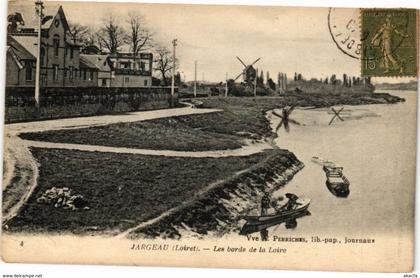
286	39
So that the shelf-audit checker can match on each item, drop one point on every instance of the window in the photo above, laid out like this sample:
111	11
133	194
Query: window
103	82
145	82
55	72
42	56
126	79
75	73
43	79
71	53
65	72
56	45
84	74
28	71
91	75
70	72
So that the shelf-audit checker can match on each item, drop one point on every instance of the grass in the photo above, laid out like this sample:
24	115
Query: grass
122	189
242	118
181	133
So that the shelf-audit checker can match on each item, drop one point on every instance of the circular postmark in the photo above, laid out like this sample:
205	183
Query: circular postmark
356	39
344	27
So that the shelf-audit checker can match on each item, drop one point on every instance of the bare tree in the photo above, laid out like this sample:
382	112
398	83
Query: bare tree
163	63
78	32
139	37
111	35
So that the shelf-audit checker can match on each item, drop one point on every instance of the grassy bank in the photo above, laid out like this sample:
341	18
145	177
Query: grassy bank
242	118
122	190
184	133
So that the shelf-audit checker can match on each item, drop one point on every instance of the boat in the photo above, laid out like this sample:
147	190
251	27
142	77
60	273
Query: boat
322	162
336	182
258	223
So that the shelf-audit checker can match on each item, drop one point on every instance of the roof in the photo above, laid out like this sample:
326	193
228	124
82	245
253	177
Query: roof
25	47
27	9
96	61
14	56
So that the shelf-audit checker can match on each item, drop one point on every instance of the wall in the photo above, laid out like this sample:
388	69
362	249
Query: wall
84	101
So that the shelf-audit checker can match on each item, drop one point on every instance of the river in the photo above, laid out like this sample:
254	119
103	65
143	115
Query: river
376	145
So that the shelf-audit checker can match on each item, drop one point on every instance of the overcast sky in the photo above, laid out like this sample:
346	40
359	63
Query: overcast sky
286	39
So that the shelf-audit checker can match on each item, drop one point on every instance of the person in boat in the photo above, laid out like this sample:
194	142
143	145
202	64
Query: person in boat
291	203
265	204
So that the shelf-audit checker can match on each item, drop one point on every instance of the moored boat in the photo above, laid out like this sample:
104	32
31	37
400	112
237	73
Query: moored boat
336	182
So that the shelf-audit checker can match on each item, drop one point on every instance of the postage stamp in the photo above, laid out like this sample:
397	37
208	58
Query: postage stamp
389	42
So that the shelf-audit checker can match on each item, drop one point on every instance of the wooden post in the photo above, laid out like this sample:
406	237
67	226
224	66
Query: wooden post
173	74
255	83
39	6
195	78
226	85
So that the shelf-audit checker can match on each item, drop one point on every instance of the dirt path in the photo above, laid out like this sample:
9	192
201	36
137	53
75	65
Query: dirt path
21	169
243	151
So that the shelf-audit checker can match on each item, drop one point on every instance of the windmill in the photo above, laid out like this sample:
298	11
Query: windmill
249	74
285	118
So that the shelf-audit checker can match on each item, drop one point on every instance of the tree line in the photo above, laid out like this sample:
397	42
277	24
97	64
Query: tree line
346	81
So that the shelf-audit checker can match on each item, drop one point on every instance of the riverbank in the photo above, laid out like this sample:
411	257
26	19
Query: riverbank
149	196
242	120
121	190
220	209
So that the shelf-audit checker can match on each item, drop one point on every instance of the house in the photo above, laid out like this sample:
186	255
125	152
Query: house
62	62
59	54
130	71
98	69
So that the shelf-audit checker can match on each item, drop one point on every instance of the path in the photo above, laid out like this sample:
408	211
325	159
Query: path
20	162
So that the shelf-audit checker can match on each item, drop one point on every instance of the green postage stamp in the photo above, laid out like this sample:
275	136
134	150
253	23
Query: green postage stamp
389	42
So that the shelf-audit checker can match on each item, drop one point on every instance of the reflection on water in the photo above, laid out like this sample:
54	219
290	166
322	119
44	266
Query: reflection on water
375	145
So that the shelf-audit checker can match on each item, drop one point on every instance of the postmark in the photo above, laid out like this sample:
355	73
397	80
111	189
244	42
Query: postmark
389	42
344	28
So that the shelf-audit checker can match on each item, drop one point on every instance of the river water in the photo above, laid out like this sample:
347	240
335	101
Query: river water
376	146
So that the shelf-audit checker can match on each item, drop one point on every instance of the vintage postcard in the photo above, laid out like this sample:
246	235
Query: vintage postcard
210	136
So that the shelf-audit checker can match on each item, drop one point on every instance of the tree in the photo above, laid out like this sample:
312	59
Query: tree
345	81
271	84
77	32
299	77
333	79
111	35
139	37
163	63
13	21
